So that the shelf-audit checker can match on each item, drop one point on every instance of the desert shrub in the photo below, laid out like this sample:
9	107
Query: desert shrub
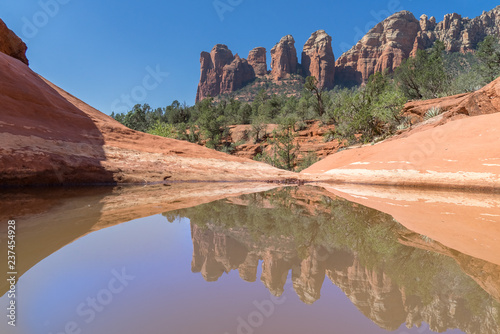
432	112
367	112
163	129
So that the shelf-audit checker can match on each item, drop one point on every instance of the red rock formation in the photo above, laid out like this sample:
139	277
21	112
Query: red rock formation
257	59
212	68
12	45
383	48
222	73
284	58
236	75
458	34
318	59
401	35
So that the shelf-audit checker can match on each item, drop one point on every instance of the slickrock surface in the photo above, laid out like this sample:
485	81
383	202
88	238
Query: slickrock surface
457	149
50	137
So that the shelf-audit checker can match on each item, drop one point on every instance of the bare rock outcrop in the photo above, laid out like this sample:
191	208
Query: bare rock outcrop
236	74
222	73
284	59
258	60
212	68
400	36
458	34
318	59
403	160
11	44
383	48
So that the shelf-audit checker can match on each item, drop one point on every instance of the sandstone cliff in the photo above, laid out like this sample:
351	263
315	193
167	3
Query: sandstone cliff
236	74
399	36
257	58
12	45
383	47
318	59
458	34
221	72
284	58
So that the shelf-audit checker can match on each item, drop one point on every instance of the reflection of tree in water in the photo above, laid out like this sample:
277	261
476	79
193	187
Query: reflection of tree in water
359	249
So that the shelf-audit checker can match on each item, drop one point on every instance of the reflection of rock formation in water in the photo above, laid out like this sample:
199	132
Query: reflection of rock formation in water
215	254
275	268
373	293
309	275
376	294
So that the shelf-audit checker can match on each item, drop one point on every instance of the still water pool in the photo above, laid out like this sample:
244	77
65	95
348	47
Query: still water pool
286	260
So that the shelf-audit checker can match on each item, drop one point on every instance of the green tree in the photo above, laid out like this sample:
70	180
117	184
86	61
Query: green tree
367	112
488	54
258	129
137	118
312	85
176	113
424	76
283	148
212	122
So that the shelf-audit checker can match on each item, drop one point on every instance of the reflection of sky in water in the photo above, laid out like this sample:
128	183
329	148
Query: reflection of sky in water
165	296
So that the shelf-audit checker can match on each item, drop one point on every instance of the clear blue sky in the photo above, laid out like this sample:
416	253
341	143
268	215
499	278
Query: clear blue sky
101	50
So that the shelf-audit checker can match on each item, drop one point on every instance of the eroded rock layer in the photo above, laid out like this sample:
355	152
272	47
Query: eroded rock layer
284	58
318	59
399	36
